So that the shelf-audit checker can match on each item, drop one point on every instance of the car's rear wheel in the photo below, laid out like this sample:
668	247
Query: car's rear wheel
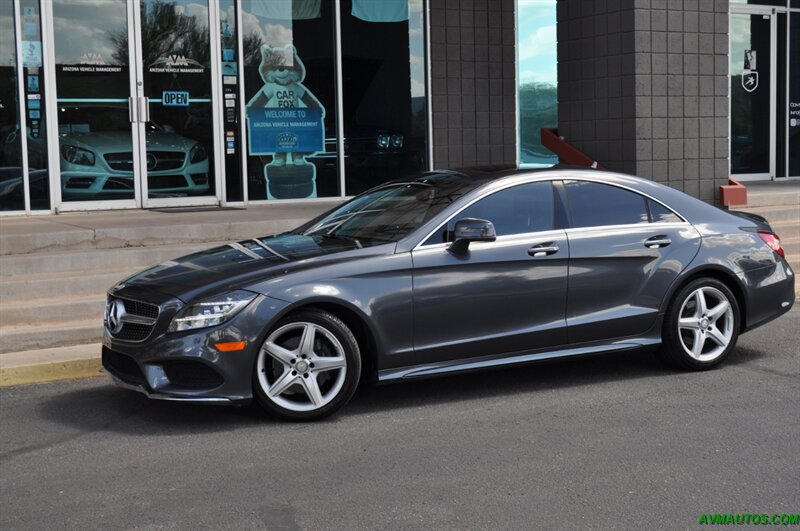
308	366
701	326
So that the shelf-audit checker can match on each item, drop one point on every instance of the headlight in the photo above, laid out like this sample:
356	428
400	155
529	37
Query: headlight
211	311
76	155
197	154
383	141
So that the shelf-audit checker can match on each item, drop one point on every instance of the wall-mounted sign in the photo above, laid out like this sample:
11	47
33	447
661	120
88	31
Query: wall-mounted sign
175	98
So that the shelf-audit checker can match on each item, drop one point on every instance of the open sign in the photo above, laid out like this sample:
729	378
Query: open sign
172	98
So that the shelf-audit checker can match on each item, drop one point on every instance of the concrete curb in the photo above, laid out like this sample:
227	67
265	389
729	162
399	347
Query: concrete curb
50	364
50	372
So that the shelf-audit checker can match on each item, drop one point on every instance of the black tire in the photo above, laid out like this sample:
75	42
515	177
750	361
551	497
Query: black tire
267	369
678	342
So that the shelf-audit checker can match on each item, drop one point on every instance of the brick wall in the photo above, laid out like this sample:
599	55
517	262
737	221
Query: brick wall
643	88
473	76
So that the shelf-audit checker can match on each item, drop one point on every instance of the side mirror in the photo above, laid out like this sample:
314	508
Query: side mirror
471	230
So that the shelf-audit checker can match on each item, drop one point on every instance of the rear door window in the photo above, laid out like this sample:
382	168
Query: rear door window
661	214
595	205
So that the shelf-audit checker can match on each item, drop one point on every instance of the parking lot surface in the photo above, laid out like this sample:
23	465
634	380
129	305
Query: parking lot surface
619	441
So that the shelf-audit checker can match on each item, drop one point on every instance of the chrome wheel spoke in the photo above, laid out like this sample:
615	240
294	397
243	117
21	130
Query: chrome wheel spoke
279	353
312	389
717	336
689	323
328	363
700	299
307	340
699	342
719	310
283	383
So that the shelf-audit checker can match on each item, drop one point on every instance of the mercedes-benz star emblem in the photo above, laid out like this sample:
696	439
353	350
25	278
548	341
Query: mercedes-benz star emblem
115	313
152	161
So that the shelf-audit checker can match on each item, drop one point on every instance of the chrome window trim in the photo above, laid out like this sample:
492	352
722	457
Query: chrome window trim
507	239
654	226
526	179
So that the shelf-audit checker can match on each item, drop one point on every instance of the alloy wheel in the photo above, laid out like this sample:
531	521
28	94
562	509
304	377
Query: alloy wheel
705	323
301	366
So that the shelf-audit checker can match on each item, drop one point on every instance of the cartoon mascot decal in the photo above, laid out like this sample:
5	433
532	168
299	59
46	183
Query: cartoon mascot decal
286	121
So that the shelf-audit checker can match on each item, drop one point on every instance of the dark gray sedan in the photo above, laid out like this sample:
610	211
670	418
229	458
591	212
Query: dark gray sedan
447	272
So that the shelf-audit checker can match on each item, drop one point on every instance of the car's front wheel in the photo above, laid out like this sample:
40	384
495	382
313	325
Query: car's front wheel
308	366
701	326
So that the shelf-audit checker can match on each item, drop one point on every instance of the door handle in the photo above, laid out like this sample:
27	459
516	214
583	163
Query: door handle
543	249
144	109
656	242
131	110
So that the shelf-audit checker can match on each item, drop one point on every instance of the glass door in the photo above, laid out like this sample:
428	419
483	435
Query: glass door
177	121
93	82
136	122
752	113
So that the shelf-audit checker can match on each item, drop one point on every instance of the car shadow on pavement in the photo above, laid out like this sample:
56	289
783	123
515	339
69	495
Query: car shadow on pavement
546	376
102	407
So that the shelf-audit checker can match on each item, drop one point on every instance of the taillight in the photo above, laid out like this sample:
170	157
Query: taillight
773	241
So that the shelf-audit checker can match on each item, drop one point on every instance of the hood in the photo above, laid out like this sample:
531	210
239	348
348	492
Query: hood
236	265
120	141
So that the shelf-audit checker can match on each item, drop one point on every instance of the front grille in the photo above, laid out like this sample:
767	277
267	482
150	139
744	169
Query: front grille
123	367
155	182
156	160
119	161
191	374
145	309
138	320
134	332
165	160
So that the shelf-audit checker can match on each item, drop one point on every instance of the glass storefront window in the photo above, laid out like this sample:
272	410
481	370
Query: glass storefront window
538	79
750	94
385	113
229	69
290	97
179	125
36	119
11	184
92	93
794	95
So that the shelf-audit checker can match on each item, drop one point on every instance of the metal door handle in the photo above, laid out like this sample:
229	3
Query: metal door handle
131	110
144	109
657	242
543	249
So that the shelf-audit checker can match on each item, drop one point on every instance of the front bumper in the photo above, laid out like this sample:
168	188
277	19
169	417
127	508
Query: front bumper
187	367
159	396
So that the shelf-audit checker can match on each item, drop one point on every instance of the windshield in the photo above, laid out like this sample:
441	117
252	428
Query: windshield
389	213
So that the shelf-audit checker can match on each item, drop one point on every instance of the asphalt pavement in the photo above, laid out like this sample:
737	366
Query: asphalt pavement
614	442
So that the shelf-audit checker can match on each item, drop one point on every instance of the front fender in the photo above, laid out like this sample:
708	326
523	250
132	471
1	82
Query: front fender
376	289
